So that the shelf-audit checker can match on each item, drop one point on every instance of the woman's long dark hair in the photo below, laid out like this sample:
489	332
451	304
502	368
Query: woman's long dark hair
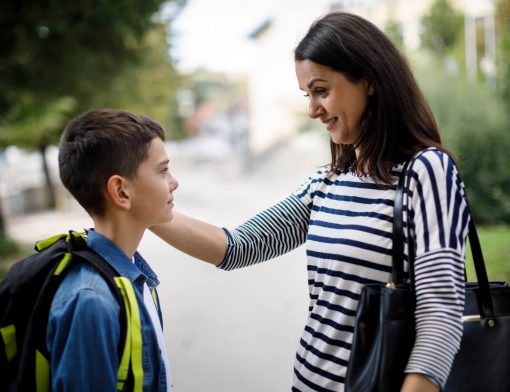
397	121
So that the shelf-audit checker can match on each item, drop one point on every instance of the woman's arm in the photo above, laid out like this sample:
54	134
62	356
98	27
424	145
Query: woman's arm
268	234
439	226
193	237
415	382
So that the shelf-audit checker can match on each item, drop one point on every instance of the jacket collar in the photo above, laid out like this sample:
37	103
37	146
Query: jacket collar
138	272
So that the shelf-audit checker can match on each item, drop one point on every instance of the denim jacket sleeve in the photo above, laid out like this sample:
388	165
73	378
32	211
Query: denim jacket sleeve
83	332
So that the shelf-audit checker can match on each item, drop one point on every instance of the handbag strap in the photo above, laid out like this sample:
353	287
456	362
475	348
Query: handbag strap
486	304
398	274
397	269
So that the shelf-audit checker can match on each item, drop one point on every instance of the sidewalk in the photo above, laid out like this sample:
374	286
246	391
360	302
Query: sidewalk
37	226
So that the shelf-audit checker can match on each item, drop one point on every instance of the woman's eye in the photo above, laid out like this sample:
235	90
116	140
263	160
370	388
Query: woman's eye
318	91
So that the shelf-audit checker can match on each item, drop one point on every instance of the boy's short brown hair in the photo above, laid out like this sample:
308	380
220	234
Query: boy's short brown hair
101	143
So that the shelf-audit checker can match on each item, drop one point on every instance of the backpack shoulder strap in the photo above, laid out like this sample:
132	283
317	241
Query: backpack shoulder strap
130	373
75	250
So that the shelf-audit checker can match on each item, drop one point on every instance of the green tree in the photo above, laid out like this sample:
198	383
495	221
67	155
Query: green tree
59	58
147	85
471	115
442	27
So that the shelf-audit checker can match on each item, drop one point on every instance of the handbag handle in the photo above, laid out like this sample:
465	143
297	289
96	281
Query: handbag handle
486	304
398	275
397	269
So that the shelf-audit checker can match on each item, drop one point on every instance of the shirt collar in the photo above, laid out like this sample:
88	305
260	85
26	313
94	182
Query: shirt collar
114	256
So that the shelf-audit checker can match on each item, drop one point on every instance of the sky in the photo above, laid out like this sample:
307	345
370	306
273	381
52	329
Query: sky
214	33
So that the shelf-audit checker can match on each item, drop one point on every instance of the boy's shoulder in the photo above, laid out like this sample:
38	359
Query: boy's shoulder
84	282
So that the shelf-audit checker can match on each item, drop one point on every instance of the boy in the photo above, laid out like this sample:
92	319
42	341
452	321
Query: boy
116	166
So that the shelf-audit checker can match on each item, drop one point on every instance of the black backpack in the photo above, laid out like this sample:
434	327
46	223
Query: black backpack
26	293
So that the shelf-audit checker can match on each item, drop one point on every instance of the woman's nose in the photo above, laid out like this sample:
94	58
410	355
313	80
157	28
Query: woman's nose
314	109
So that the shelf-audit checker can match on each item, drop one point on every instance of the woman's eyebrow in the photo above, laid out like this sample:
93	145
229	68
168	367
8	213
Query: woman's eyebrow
313	81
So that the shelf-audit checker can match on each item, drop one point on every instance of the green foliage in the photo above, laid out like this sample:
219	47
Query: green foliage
471	115
473	124
442	27
148	85
9	249
36	124
58	58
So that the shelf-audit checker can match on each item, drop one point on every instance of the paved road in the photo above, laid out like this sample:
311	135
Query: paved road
226	331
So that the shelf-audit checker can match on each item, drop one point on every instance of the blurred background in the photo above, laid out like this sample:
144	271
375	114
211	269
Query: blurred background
219	75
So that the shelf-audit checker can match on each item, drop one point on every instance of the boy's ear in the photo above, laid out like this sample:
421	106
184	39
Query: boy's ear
118	190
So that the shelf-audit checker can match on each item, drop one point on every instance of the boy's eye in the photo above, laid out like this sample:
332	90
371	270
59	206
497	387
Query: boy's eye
306	95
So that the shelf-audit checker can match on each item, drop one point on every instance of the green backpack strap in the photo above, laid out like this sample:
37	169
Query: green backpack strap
44	244
133	348
130	373
8	335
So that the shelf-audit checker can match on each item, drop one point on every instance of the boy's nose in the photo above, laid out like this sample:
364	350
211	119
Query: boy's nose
173	183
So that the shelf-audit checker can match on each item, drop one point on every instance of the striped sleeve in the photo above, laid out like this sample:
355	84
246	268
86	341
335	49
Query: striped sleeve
308	190
269	234
440	218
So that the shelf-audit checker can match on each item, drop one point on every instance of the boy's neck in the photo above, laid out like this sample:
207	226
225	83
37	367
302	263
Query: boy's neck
125	235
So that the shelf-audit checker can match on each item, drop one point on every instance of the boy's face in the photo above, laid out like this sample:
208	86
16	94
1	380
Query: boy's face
152	198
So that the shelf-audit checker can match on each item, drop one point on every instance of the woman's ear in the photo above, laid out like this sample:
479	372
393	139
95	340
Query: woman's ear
370	87
117	190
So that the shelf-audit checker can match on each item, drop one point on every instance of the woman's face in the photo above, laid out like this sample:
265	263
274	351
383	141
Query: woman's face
334	100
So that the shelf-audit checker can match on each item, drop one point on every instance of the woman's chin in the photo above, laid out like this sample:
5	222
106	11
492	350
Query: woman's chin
340	141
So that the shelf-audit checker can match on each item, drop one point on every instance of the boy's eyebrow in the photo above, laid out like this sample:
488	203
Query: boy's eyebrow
164	162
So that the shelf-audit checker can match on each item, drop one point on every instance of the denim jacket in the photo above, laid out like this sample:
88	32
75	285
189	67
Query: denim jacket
83	326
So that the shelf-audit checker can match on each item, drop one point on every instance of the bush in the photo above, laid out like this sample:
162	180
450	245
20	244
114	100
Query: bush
9	249
475	127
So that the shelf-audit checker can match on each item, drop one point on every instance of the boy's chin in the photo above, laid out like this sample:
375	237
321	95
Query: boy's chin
166	219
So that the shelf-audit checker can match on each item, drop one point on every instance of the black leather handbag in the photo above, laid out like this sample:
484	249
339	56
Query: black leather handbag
385	331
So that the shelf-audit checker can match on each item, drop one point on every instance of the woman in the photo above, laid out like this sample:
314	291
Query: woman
362	90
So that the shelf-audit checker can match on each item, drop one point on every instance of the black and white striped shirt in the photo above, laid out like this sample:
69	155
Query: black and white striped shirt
346	222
